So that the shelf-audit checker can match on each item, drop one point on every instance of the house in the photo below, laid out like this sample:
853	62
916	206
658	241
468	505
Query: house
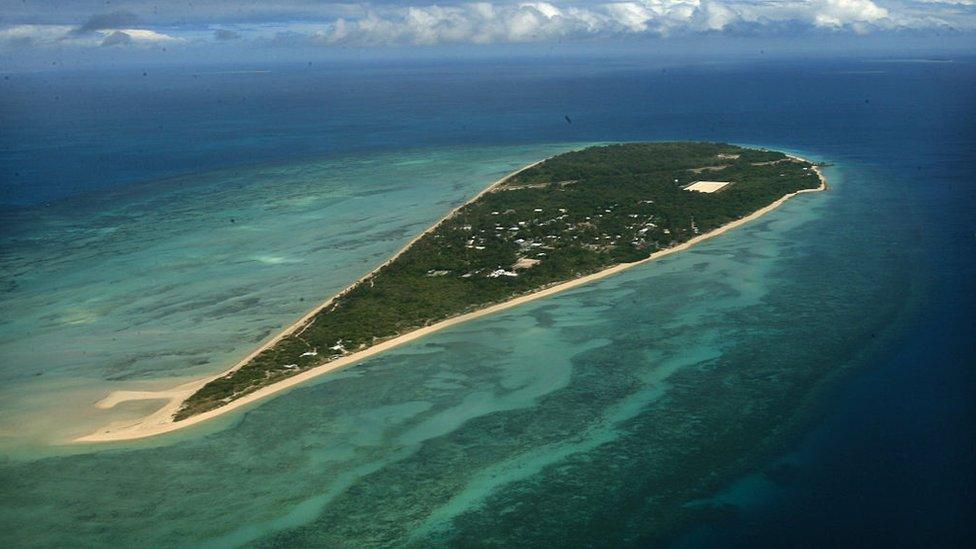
501	272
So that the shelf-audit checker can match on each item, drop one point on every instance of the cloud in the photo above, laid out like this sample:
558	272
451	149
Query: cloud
20	36
837	13
483	23
114	29
300	23
146	35
224	34
117	38
127	37
107	21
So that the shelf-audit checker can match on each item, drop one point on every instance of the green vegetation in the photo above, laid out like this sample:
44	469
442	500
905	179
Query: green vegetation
572	215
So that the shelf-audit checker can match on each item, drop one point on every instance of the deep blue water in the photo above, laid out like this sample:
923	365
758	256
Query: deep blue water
115	128
887	453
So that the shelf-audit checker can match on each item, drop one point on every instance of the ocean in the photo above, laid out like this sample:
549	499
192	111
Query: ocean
804	380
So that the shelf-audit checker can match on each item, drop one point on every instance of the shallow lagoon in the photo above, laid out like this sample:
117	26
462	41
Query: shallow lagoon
183	277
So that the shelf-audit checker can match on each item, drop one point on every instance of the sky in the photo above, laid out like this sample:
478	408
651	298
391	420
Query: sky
44	33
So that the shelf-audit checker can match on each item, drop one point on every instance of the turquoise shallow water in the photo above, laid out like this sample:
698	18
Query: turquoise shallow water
183	277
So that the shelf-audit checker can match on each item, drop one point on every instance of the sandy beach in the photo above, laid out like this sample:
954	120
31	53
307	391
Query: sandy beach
161	421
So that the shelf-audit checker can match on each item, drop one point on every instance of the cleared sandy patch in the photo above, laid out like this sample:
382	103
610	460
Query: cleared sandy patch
707	186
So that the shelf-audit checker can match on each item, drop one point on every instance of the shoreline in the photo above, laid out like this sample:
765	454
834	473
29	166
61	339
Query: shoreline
161	421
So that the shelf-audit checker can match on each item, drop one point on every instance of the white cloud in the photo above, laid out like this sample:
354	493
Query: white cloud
145	35
537	21
544	8
837	13
19	36
32	35
501	21
712	16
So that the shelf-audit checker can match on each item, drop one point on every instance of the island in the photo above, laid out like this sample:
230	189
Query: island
553	225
